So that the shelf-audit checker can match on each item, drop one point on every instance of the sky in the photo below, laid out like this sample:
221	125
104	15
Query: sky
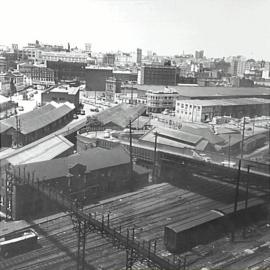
167	27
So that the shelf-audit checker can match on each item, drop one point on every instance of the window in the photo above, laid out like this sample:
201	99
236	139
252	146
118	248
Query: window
182	106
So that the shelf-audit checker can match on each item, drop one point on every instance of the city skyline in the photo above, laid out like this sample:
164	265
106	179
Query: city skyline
220	28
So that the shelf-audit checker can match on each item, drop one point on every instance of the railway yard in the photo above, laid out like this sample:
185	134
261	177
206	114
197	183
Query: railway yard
148	211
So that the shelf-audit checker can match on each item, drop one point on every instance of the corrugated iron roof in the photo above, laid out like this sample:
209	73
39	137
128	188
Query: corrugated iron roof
41	150
93	159
4	127
182	139
121	114
39	118
206	133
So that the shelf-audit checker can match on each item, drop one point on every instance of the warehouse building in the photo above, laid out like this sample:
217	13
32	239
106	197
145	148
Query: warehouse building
62	94
33	125
86	176
197	110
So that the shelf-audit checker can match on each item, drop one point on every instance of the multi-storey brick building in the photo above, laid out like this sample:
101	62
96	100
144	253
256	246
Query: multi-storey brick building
113	86
37	74
158	75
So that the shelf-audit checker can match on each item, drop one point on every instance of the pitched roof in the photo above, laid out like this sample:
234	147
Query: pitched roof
182	139
121	114
93	159
45	149
39	118
3	99
204	132
4	127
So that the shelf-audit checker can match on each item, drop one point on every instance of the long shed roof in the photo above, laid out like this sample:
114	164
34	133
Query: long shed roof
93	159
39	118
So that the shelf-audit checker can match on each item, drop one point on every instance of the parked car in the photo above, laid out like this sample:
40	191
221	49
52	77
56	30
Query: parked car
82	112
75	116
226	163
21	108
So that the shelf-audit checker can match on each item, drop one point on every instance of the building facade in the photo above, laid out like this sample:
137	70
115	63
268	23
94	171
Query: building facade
113	86
157	102
139	56
73	57
3	64
11	82
62	94
158	75
205	110
38	74
67	70
96	78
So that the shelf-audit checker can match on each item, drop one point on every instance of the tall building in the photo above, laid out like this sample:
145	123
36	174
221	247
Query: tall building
109	59
64	70
139	56
113	86
88	47
15	47
199	54
238	66
3	64
96	78
266	71
158	75
37	74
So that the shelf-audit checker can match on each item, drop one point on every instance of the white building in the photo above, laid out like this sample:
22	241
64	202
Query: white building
187	110
74	57
266	71
158	101
88	47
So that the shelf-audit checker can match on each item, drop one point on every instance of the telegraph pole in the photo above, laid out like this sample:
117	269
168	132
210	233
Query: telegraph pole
130	157
229	151
238	181
155	159
246	200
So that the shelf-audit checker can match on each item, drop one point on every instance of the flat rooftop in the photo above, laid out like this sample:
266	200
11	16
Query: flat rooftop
197	91
65	89
226	102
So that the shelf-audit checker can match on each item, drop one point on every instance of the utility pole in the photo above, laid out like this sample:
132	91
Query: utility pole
238	181
246	200
130	156
155	160
132	93
18	129
229	151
